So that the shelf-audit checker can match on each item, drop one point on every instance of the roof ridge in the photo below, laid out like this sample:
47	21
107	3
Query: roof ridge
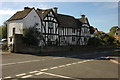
67	15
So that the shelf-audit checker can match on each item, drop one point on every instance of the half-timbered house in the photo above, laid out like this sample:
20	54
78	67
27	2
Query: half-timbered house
45	22
85	30
49	27
69	30
55	28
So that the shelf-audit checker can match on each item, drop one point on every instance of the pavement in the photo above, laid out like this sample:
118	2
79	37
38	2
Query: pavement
94	65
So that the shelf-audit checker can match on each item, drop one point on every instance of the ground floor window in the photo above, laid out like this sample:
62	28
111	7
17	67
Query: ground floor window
73	39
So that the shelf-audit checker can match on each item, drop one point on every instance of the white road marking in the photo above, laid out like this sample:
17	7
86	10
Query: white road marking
74	63
84	61
35	60
7	77
28	61
62	66
58	58
24	62
39	73
61	76
114	61
26	76
21	74
33	71
68	64
43	69
79	62
48	69
57	75
53	67
20	62
8	64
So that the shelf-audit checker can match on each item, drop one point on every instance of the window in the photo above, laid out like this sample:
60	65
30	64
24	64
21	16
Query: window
36	24
73	30
51	31
73	39
13	31
50	24
10	39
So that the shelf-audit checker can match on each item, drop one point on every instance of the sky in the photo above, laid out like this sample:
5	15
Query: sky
101	15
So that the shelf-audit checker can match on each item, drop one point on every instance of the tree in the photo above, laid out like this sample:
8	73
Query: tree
4	31
107	39
31	35
0	33
112	30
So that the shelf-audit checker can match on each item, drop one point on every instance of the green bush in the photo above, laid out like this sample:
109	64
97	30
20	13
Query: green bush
94	42
107	39
31	36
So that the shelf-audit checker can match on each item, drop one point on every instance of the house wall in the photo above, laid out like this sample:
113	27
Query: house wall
85	35
67	34
28	21
50	18
31	19
18	25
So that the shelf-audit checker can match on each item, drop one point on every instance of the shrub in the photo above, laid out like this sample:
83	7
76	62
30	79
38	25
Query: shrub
94	41
31	36
107	39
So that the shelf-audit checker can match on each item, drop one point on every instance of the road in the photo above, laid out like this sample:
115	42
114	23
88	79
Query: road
94	65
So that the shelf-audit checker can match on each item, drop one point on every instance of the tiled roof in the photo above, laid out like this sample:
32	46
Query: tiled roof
43	13
68	21
84	20
20	14
63	20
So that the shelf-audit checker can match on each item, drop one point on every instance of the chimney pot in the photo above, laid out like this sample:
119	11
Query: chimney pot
26	8
83	15
55	10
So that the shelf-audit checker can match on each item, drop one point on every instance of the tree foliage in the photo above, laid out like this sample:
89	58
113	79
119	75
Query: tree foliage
112	30
31	36
0	33
4	31
108	39
94	41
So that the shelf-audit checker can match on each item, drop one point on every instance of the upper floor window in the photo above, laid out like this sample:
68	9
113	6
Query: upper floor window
50	24
51	31
73	30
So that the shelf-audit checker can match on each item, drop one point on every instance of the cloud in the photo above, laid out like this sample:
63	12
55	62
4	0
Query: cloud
7	12
12	11
43	6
